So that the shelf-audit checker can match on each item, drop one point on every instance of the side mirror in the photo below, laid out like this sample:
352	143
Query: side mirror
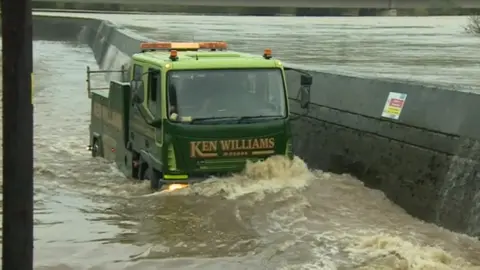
138	91
304	96
305	84
306	80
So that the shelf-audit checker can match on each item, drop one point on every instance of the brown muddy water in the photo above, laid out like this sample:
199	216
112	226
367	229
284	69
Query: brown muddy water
276	215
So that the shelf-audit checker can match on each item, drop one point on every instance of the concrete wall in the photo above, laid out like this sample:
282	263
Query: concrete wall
102	36
427	161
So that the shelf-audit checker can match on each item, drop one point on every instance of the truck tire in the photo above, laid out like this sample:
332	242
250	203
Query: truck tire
154	176
142	169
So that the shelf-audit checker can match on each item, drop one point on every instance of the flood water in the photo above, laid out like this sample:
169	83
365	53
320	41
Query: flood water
276	215
433	50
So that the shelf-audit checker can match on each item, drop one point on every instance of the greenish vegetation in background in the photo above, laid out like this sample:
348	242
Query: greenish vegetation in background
259	11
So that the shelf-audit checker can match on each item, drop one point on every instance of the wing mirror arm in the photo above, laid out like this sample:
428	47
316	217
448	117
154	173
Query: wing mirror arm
306	82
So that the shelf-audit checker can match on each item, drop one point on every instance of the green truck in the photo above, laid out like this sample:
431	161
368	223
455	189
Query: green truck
184	111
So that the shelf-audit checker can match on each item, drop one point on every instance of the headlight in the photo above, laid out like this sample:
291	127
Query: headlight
171	160
289	148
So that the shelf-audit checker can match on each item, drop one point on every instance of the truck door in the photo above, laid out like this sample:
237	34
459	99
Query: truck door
141	133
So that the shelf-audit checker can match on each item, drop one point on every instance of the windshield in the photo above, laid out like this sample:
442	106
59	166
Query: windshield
226	93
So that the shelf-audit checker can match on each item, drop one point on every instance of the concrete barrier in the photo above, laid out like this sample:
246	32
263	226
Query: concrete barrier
427	160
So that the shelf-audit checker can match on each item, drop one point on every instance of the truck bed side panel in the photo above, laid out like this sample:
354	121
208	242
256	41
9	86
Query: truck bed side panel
119	104
96	121
108	120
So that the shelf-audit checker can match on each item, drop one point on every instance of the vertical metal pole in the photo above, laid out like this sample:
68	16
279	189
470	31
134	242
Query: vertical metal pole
89	86
17	228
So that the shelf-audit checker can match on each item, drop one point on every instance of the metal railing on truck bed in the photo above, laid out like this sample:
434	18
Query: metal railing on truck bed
123	70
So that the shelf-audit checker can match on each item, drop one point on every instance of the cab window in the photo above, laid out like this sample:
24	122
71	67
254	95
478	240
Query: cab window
227	93
137	79
154	77
137	72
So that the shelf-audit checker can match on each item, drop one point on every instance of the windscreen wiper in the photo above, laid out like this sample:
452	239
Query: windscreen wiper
259	117
202	119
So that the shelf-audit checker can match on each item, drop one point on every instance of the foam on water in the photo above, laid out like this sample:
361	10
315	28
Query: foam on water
385	251
292	233
272	175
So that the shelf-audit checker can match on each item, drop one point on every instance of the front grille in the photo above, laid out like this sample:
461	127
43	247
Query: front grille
224	163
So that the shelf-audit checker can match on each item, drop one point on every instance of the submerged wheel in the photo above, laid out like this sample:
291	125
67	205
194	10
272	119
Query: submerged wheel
142	169
95	148
134	164
154	176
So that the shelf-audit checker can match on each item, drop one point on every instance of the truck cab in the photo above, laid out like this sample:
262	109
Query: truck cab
184	111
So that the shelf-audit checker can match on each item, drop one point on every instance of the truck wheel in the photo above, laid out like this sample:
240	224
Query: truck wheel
142	169
154	177
95	148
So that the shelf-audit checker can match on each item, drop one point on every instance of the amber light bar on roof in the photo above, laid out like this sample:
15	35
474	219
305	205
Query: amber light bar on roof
217	45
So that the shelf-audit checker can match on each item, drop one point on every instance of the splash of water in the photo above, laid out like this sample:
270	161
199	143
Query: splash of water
259	178
385	251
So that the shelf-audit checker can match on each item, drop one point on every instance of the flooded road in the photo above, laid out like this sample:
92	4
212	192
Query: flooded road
277	215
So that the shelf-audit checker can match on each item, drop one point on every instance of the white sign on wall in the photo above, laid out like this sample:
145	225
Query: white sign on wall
394	105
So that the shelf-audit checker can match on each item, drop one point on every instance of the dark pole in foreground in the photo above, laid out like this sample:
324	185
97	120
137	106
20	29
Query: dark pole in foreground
17	135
